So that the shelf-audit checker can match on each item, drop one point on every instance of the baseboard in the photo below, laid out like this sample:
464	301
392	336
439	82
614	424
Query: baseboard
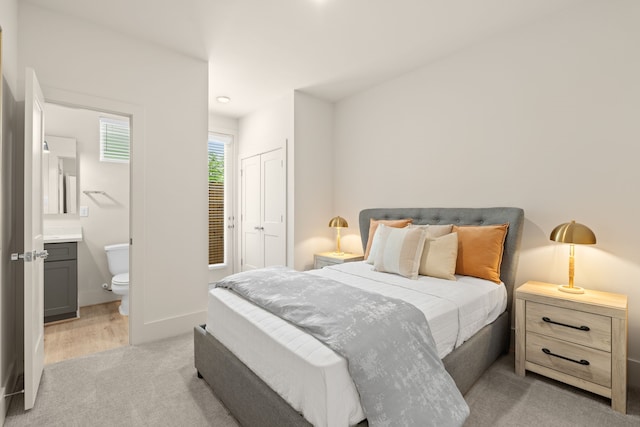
8	387
633	373
95	296
165	328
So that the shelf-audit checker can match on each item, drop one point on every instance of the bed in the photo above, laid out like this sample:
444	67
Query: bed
254	403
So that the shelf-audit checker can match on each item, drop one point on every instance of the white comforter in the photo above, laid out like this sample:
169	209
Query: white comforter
313	379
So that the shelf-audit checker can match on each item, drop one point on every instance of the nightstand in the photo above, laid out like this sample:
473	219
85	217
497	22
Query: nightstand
579	339
331	258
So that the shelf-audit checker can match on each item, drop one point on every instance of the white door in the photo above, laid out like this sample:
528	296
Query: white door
251	240
274	204
34	253
263	209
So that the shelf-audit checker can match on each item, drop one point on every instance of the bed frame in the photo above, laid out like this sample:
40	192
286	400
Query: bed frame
253	403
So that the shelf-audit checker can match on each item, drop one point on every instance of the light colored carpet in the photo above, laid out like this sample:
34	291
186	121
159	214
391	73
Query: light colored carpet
156	385
153	384
500	398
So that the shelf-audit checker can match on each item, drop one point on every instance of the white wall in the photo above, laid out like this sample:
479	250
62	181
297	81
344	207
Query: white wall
314	177
9	352
108	220
218	123
266	129
544	118
166	93
306	123
9	25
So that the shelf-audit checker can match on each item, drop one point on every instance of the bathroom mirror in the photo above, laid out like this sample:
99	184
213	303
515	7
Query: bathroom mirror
59	177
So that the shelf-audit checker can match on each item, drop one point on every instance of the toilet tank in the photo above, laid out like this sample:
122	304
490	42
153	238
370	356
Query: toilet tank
118	258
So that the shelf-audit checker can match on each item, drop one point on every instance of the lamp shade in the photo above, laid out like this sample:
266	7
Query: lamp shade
573	232
338	222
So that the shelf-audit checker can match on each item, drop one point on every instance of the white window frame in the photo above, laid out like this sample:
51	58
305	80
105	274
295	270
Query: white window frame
105	155
227	139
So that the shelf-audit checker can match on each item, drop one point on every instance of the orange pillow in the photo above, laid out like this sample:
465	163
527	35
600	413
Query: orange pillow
373	225
480	250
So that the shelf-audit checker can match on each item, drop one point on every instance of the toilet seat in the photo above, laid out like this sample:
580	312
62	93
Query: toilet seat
120	279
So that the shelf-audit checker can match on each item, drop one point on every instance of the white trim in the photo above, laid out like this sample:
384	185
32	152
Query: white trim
232	263
171	326
633	373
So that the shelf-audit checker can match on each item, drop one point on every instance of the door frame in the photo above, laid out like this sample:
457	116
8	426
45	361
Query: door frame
136	186
230	193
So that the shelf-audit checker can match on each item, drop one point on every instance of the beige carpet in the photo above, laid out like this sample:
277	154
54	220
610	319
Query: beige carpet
501	398
156	385
148	385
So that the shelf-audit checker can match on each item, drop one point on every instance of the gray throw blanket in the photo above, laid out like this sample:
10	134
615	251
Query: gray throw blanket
387	343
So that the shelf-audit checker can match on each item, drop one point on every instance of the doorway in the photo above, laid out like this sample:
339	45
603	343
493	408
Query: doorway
96	201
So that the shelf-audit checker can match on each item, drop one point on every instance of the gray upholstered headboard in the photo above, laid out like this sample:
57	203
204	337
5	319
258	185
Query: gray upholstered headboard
462	216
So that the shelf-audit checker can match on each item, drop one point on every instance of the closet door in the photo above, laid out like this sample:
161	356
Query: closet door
263	200
274	203
251	239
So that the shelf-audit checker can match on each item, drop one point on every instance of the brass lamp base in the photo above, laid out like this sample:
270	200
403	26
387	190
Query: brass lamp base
571	289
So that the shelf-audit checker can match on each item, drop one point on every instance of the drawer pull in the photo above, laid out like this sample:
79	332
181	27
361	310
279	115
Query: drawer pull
579	362
580	328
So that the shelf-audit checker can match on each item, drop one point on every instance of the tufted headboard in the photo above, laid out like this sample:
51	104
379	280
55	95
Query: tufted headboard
462	216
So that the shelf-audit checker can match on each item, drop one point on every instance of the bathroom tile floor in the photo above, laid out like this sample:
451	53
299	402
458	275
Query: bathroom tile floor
100	327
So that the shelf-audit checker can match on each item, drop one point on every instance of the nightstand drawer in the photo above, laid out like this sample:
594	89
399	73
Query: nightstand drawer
323	263
578	327
331	258
598	369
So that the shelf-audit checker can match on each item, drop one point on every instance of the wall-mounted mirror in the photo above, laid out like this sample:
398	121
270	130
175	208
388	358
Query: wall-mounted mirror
59	177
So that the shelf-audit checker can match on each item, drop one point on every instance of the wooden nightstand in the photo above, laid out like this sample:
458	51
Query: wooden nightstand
330	258
579	339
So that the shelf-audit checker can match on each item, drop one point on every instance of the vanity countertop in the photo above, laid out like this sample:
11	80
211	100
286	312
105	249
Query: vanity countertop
63	234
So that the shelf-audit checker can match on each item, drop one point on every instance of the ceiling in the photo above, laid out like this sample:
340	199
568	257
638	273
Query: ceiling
259	50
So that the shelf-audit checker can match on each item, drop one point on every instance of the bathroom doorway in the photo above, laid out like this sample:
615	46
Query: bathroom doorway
91	194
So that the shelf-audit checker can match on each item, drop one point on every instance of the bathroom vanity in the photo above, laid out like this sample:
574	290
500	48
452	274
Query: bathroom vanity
61	281
61	273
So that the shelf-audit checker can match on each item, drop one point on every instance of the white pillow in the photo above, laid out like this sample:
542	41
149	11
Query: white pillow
399	250
434	230
374	247
439	257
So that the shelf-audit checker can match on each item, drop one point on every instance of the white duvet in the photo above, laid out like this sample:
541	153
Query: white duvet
312	378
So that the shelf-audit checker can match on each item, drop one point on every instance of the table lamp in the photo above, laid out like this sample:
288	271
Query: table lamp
572	233
338	222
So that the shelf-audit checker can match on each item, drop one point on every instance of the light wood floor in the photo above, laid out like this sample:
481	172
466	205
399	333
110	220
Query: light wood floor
100	327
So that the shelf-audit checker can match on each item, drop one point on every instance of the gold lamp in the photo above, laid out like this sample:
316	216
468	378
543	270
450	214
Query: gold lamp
338	222
572	233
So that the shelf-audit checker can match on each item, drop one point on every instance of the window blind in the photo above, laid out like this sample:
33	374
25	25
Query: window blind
114	140
216	152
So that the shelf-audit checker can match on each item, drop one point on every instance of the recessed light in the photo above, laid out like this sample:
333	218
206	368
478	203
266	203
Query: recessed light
223	99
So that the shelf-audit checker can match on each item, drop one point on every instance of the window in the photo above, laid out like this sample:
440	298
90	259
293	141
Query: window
217	148
114	140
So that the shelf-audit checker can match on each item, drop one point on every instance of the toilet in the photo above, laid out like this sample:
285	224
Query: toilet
118	260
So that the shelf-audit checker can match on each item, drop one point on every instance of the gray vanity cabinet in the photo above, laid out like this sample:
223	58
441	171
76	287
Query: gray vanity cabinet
61	281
